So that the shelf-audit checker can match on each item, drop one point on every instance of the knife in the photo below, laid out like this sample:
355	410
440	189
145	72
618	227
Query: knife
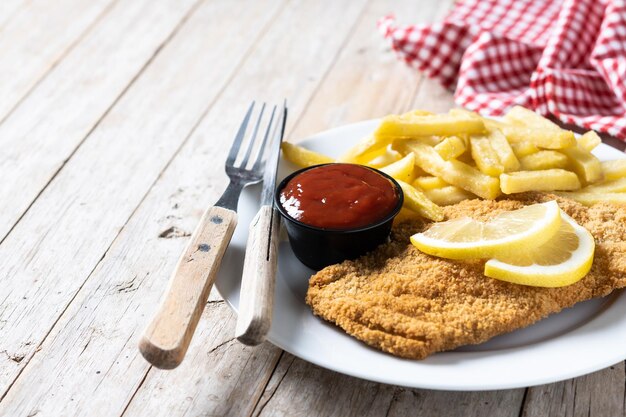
256	298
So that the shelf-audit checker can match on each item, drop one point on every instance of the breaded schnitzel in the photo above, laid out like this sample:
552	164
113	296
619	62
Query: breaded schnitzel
402	301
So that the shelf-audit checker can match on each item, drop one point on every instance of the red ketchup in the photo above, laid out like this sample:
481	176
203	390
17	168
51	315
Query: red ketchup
339	196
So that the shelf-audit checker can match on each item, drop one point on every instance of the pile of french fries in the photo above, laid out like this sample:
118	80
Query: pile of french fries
442	159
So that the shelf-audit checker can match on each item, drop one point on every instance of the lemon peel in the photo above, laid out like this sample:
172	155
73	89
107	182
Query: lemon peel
508	232
563	260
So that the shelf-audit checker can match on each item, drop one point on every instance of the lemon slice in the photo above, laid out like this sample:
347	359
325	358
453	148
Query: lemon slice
561	261
508	232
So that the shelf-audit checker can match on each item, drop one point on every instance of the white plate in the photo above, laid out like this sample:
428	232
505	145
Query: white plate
576	341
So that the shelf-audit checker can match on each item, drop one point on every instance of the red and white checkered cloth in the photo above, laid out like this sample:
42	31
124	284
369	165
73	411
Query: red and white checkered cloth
561	57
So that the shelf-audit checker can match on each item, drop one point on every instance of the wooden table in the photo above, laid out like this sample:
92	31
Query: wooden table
115	119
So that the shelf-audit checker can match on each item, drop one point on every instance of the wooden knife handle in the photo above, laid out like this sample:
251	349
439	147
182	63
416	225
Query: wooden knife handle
256	298
167	338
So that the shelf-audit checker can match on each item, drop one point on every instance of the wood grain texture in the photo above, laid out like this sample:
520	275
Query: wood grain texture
167	337
316	391
601	393
220	377
55	248
332	394
35	39
47	127
256	297
365	80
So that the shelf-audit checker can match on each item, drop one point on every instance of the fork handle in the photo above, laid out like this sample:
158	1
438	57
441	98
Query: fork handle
167	338
256	298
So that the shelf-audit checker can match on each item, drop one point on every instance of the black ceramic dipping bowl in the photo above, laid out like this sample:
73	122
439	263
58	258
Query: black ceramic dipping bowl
318	247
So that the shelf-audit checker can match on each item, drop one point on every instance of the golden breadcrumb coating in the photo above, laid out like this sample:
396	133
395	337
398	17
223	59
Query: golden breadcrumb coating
402	301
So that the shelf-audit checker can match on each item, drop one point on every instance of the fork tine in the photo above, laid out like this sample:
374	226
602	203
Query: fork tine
245	159
261	157
234	149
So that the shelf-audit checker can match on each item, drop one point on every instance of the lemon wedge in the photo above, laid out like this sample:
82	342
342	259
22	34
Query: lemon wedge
508	232
561	261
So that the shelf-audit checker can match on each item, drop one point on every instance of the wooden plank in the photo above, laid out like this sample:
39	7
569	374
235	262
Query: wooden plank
44	131
91	355
505	403
298	388
219	377
35	39
367	81
433	97
601	393
57	244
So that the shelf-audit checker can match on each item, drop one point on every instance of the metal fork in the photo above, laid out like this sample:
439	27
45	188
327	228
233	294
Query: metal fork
167	338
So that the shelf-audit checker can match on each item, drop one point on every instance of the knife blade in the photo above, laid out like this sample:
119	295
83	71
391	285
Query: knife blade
256	297
269	177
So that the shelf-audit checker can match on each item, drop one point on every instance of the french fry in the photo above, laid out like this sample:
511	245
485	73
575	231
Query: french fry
525	117
485	157
549	139
454	172
544	160
521	125
525	148
589	199
460	112
448	195
403	169
546	180
589	141
451	147
429	183
416	201
365	151
615	169
303	157
436	125
586	165
525	125
613	186
504	151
